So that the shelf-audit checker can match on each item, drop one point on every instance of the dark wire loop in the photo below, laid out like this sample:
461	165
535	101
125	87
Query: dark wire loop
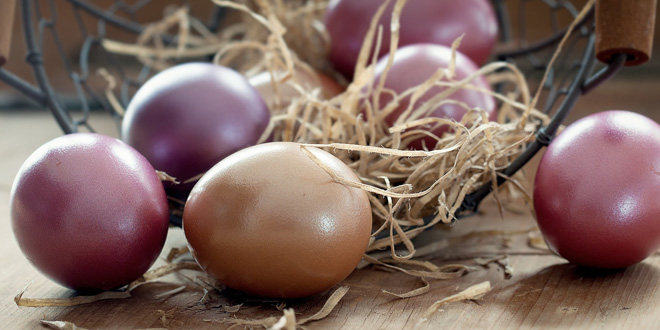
543	138
606	73
25	88
34	58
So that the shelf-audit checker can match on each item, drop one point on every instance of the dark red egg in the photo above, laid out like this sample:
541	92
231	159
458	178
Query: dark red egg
89	212
415	64
596	190
422	21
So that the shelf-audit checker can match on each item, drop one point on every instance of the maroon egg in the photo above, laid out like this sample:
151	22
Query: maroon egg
422	21
187	118
596	190
415	64
89	212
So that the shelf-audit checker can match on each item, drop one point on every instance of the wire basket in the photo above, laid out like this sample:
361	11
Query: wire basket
575	70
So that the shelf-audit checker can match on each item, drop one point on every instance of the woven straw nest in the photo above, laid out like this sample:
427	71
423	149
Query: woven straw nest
287	39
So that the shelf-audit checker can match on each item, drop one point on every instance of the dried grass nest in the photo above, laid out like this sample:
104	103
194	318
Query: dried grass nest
405	186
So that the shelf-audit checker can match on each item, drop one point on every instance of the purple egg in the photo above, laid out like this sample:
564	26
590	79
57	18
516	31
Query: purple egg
189	117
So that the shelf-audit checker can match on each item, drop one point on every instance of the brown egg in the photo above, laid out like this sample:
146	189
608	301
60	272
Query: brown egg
286	92
270	222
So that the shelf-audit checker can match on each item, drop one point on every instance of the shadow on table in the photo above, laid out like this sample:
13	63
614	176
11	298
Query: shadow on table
569	295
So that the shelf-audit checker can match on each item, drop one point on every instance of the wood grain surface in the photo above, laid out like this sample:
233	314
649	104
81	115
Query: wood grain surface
543	291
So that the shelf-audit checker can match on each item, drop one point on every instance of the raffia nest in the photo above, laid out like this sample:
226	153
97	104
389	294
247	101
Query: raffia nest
405	186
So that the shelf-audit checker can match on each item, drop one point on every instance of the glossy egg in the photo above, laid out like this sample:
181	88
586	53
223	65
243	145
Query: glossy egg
188	117
89	212
596	190
268	221
414	64
422	21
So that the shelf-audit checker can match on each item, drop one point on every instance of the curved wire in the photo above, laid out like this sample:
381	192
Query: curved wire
35	59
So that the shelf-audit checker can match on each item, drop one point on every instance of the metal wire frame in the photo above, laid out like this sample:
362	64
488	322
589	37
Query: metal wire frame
39	20
573	75
562	90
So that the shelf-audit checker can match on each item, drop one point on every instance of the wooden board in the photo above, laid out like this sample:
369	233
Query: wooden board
544	291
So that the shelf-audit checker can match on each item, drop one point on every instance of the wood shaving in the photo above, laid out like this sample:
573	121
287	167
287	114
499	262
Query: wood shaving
207	282
165	316
442	273
110	96
232	308
286	322
506	265
412	293
536	240
328	307
152	275
176	252
474	292
419	263
68	302
503	261
163	271
169	293
265	322
485	261
205	297
61	325
166	177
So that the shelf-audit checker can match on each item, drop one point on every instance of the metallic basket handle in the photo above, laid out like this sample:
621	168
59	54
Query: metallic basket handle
7	13
625	27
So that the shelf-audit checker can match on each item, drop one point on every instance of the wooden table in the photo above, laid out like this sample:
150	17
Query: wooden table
543	292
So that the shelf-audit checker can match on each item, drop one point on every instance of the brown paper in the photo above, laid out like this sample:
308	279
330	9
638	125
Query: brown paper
7	13
625	27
